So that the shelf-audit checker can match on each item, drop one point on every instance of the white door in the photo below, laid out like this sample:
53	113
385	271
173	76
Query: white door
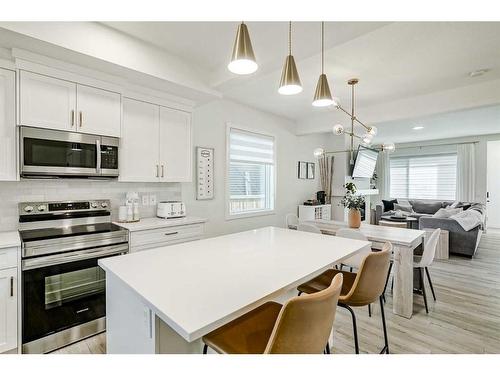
8	149
99	111
175	145
8	309
493	176
139	152
47	102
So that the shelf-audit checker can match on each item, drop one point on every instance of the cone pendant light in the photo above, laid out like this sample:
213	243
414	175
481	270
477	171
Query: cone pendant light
243	59
322	96
290	81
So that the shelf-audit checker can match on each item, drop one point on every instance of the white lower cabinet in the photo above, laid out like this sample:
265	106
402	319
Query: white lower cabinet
8	309
154	238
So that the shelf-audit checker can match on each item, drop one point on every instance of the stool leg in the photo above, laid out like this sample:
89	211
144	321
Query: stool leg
354	327
386	340
387	279
369	310
327	348
205	348
421	273
430	283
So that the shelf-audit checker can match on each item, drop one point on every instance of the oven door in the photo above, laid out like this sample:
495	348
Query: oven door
46	152
59	294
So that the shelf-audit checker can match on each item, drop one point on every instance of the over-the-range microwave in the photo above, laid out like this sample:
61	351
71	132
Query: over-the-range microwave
55	153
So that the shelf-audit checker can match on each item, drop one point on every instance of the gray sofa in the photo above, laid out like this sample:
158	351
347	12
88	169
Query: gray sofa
460	241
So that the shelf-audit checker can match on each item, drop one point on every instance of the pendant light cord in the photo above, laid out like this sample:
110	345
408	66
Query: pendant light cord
322	46
290	38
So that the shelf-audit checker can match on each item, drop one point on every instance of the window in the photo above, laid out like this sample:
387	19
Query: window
250	177
424	177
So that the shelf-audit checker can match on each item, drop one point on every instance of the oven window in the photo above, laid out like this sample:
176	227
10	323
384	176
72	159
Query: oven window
48	153
70	286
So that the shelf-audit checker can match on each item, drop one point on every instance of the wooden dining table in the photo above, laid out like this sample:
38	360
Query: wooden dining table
404	242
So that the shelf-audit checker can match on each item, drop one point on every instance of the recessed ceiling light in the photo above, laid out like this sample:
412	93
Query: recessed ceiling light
477	73
418	127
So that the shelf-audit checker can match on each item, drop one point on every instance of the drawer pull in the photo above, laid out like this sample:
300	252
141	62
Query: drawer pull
82	310
171	233
12	286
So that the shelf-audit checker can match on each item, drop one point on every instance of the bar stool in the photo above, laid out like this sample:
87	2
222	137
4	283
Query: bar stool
425	261
301	326
358	289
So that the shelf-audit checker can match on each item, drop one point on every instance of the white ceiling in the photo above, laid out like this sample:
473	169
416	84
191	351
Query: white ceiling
477	121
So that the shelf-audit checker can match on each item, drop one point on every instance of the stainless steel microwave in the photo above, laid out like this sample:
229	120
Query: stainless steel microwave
55	153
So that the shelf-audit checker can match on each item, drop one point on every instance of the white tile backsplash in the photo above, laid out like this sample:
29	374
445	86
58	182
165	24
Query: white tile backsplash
11	193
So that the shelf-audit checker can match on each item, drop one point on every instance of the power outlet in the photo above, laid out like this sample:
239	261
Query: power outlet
145	200
152	200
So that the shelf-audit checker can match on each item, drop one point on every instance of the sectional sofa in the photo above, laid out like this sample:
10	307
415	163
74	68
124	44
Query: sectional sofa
460	241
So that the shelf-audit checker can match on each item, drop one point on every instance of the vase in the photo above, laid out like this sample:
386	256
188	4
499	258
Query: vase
354	218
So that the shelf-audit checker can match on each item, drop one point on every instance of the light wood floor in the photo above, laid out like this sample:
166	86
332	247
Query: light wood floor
465	318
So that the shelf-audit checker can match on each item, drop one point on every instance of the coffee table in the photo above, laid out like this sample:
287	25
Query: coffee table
410	222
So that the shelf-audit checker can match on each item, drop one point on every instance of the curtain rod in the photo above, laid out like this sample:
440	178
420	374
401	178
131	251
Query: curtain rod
403	148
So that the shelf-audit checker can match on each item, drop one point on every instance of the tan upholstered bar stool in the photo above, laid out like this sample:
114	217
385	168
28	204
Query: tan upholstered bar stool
358	289
301	326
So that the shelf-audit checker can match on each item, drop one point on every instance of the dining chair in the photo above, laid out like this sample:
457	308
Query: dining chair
308	228
301	326
422	263
358	289
291	221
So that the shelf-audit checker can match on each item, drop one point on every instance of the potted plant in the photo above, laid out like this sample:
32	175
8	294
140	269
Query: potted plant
354	203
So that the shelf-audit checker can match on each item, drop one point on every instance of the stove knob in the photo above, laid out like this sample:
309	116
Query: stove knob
28	209
93	205
42	207
104	205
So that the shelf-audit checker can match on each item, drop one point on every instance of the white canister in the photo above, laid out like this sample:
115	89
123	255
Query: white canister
122	213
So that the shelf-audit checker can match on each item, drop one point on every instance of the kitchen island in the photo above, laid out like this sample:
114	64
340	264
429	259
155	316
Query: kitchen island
164	300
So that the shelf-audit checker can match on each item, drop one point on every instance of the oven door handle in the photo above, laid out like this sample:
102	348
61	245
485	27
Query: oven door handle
50	260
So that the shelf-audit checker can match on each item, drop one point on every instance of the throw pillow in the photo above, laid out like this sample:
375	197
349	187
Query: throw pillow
389	205
426	207
403	208
444	213
454	204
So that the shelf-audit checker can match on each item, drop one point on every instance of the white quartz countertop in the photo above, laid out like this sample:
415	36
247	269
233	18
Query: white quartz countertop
198	286
156	222
9	239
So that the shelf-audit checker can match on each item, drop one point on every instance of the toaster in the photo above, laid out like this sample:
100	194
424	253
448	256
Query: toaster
170	209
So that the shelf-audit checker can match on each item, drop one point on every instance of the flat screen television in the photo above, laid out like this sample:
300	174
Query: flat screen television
364	166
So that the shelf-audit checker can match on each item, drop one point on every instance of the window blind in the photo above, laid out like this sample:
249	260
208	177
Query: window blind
424	177
250	147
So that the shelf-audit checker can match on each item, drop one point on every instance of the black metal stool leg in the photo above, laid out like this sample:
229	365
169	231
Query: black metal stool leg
387	279
354	327
430	283
421	273
386	340
205	348
327	348
369	310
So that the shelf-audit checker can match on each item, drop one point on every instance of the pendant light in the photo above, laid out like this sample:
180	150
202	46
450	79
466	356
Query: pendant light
290	81
322	96
243	59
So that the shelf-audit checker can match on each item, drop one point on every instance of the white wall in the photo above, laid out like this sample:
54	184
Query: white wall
209	130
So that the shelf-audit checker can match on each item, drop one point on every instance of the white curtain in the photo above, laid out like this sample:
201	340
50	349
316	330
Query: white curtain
466	172
383	175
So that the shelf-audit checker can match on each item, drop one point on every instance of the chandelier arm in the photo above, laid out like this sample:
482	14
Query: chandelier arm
355	118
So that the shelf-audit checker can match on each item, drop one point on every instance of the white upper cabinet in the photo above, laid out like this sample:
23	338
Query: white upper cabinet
47	102
8	154
139	152
52	103
175	145
99	111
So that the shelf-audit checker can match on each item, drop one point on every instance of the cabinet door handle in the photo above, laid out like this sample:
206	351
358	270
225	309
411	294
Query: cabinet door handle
157	170
81	119
12	286
72	117
171	233
162	170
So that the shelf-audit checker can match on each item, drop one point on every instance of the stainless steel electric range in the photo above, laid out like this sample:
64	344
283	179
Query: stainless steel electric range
63	288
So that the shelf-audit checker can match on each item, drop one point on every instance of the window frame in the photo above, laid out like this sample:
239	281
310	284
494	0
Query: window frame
227	198
409	157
